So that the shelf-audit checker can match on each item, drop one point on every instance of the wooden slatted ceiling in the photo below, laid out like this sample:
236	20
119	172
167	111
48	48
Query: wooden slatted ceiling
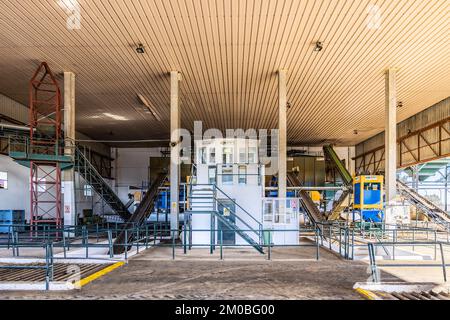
228	53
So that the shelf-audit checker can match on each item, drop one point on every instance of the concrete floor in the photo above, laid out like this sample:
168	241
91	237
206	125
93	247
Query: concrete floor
242	275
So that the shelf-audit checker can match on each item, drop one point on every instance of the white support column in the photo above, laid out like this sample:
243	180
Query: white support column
174	151
282	136
390	135
69	141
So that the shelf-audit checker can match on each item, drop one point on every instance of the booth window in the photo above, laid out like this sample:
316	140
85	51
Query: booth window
242	174
242	155
227	175
227	156
252	155
212	155
212	175
203	155
3	180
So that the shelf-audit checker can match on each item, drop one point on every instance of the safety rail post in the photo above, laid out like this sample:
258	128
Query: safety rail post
51	261
64	244
340	241
329	239
110	244
444	270
10	234
221	244
96	229
394	238
173	245
86	240
184	239
47	266
68	242
353	243
346	243
14	244
373	266
317	244
269	257
435	245
126	244
146	236
137	239
154	234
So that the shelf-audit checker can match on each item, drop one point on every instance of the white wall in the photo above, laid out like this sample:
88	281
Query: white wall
130	168
17	196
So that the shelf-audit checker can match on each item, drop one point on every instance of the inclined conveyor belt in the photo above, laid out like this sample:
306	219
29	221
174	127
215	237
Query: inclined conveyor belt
307	203
346	177
431	210
142	212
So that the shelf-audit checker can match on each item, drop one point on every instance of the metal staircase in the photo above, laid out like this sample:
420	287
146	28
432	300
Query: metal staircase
204	199
85	168
430	209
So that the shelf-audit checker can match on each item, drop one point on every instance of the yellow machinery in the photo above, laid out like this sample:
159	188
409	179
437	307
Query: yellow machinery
368	197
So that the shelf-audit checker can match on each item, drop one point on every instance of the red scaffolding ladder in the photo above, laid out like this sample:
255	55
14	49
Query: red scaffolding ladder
44	148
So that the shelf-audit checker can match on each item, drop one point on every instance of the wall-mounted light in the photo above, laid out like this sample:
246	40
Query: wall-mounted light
318	46
140	49
145	102
399	104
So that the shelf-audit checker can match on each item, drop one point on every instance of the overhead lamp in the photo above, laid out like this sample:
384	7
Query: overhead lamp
140	49
145	102
318	47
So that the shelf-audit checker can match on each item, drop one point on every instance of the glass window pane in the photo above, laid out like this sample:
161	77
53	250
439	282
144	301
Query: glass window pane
227	176
203	155
242	155
242	175
212	155
3	180
212	175
252	155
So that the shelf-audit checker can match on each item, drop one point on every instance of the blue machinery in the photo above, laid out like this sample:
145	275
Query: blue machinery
368	198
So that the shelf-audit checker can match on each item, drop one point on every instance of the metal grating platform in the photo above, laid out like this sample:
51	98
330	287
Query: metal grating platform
61	272
423	295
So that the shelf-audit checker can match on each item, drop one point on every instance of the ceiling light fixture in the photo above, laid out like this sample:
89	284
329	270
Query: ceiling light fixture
140	49
399	104
318	47
145	102
114	116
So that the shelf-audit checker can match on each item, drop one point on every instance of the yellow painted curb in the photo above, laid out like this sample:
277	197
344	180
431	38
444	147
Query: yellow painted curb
98	274
367	294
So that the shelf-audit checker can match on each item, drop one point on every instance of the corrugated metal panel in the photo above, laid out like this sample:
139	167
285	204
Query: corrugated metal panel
13	109
433	114
228	53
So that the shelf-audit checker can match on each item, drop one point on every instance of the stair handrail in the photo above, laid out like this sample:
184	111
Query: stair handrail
232	213
234	202
242	232
83	156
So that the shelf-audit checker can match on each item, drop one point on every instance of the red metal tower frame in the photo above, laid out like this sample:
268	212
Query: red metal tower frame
44	148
